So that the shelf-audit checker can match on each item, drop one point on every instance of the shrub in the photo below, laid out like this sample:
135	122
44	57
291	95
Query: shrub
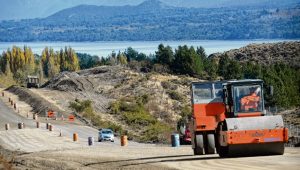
139	118
81	106
157	132
175	95
168	85
86	110
186	111
115	107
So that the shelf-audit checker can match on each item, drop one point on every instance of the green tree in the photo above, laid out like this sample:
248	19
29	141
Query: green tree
131	54
211	67
141	57
252	70
201	52
223	65
164	55
187	61
234	71
45	61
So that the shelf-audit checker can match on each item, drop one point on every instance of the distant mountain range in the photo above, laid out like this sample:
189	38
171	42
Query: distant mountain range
28	9
155	20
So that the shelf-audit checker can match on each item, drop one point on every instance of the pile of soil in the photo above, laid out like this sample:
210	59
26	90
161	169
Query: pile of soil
87	80
266	53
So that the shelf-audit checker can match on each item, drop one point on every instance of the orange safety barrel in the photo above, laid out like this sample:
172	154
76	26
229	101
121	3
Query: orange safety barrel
71	118
124	140
75	137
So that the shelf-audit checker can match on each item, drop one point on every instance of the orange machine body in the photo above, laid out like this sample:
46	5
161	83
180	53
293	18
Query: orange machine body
253	136
208	115
207	105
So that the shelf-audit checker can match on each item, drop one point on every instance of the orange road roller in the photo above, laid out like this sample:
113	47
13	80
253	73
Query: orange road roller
229	118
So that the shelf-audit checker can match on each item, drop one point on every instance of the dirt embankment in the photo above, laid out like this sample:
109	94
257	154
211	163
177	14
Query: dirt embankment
109	83
167	95
38	104
41	105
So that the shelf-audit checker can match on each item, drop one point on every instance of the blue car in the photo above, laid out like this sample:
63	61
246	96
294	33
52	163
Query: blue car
106	135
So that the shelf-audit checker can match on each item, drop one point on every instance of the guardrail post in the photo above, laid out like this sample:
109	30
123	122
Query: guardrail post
47	125
91	141
6	126
21	125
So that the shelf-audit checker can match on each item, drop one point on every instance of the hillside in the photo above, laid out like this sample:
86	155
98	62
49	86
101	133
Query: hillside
115	93
269	53
155	20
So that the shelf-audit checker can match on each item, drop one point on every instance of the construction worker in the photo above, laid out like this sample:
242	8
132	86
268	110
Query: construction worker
251	101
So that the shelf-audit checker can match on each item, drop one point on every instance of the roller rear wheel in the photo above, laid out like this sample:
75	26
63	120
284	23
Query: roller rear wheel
210	146
199	145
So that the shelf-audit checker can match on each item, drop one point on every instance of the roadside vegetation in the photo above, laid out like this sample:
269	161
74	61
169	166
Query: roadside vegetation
85	109
137	116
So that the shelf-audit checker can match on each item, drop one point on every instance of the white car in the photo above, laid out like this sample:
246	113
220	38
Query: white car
106	135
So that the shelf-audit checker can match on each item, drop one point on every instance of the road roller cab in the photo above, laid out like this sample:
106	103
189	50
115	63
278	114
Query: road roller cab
228	117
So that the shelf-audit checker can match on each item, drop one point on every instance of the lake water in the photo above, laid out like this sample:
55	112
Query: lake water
104	48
